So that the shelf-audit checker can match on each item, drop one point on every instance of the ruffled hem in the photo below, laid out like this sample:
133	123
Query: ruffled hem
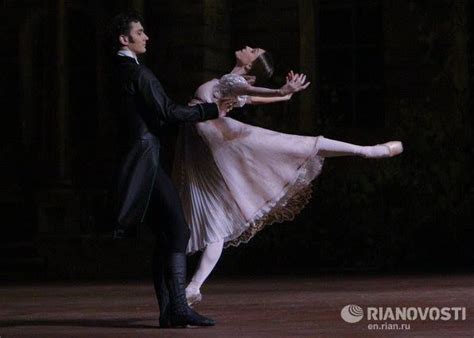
289	203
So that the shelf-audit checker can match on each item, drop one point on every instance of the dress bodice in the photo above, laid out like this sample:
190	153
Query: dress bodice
215	89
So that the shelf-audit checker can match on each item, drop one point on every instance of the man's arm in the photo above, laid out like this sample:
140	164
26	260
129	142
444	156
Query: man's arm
165	109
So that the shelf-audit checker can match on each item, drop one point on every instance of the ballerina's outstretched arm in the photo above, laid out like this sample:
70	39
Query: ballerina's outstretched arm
255	100
294	84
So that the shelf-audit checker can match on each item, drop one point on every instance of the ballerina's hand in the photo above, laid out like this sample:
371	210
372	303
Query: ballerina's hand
294	83
289	77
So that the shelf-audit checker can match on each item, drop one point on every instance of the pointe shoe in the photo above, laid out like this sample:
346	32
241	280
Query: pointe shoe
394	148
193	297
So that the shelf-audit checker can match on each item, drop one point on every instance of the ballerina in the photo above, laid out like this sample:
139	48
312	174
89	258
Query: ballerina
235	178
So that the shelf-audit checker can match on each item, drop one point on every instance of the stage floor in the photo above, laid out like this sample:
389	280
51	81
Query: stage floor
250	307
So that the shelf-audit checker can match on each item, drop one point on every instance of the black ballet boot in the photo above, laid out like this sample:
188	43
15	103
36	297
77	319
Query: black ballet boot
180	314
161	290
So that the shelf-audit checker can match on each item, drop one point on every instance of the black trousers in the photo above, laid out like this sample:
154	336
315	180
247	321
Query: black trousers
167	222
166	217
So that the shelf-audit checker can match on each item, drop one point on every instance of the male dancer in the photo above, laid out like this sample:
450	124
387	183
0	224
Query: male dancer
143	186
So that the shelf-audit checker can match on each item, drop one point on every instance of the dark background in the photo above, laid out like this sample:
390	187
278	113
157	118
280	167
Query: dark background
380	70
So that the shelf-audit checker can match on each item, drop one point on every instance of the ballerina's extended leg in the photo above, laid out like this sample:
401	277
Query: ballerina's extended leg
333	148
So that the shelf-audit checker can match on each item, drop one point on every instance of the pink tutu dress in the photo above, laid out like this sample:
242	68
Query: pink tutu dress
234	178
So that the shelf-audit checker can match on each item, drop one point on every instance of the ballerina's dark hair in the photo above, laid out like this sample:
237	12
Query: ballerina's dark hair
262	68
120	25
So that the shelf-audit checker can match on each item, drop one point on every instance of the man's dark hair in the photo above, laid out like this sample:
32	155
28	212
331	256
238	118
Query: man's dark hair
120	25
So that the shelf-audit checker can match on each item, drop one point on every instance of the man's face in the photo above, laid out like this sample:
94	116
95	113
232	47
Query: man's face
136	40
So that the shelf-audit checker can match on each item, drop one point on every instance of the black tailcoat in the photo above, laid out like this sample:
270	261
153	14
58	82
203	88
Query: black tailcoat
145	109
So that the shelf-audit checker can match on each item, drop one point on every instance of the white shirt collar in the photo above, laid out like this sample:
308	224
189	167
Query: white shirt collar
128	53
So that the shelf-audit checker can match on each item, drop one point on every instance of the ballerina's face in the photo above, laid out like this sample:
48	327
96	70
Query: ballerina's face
247	55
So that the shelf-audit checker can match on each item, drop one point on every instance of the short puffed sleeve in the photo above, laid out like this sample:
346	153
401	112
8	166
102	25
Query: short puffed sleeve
226	86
